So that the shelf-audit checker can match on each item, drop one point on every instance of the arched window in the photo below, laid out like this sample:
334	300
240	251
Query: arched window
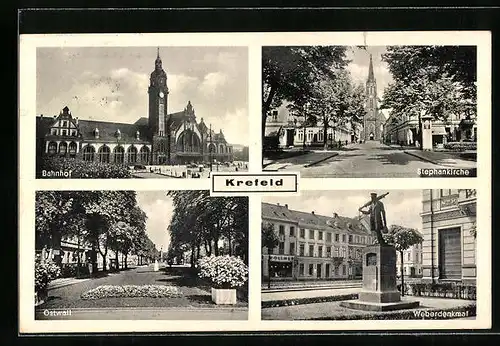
221	149
132	154
88	153
104	153
63	148
211	148
144	153
52	148
72	149
119	154
188	142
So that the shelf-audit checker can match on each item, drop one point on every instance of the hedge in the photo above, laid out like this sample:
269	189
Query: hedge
460	146
441	290
312	300
447	313
81	169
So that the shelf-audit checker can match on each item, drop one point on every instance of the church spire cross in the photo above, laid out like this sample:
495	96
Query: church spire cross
371	76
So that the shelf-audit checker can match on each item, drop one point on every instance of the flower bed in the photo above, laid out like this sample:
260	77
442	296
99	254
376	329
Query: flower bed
223	272
132	291
413	314
460	146
312	300
441	290
44	273
82	169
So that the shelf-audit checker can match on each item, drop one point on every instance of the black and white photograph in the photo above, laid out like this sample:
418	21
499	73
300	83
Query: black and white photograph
370	111
141	112
369	255
140	255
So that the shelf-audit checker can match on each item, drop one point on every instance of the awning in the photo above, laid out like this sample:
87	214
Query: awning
439	130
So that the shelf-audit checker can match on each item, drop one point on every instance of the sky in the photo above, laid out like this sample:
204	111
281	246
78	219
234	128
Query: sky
159	210
402	207
111	84
359	66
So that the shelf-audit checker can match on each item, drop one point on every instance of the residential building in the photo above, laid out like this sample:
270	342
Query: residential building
405	129
313	246
448	227
412	261
288	126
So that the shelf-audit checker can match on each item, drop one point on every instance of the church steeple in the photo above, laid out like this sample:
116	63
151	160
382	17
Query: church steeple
371	76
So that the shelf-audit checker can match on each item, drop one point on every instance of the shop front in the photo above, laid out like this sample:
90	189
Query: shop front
282	266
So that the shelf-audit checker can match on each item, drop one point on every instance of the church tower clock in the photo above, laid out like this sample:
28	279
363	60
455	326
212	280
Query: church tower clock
371	123
158	96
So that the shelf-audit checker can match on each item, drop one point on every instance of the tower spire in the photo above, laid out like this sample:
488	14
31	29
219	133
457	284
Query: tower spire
371	76
158	59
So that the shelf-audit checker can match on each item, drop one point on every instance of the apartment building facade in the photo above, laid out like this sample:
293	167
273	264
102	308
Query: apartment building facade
448	227
313	246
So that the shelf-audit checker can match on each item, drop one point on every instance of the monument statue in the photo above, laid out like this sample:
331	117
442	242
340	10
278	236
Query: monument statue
378	223
379	290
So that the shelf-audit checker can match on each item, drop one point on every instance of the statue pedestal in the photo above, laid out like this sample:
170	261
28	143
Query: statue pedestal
379	291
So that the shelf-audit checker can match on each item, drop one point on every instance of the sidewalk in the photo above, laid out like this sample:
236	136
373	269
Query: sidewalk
308	285
449	159
321	292
331	310
307	158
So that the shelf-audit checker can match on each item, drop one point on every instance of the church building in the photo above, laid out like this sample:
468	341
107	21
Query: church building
159	139
373	119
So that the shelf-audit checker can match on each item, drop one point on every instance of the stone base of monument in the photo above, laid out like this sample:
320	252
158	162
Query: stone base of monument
379	282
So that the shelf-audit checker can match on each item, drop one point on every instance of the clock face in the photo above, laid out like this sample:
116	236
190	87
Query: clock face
161	94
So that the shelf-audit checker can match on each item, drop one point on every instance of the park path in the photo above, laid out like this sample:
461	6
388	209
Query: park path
195	293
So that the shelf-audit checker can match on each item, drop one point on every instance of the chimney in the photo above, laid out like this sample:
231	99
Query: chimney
286	206
76	120
41	115
278	204
335	215
312	212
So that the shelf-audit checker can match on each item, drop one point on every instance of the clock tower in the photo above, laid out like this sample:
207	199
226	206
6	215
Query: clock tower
158	95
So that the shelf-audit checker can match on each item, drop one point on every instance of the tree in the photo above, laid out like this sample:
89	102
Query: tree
269	241
57	214
337	102
288	73
199	222
402	239
430	80
104	210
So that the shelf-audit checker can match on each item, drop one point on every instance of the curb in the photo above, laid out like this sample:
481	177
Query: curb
67	284
319	161
423	158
